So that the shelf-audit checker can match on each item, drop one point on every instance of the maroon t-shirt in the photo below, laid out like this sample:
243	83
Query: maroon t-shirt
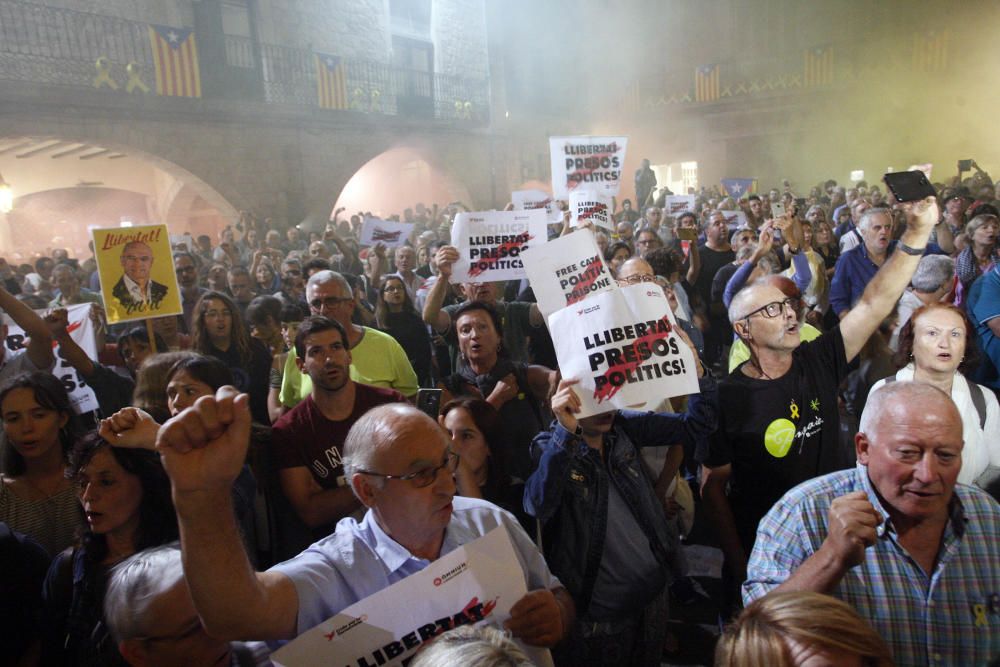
304	437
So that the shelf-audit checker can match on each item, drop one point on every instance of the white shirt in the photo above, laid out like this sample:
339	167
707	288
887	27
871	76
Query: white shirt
134	290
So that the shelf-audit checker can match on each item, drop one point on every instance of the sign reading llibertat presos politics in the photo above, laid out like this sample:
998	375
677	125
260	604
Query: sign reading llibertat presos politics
387	232
490	243
589	206
475	584
566	271
526	200
677	204
622	347
591	163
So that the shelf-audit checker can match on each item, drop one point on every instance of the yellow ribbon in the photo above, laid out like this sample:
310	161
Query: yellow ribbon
980	611
134	80
103	66
794	409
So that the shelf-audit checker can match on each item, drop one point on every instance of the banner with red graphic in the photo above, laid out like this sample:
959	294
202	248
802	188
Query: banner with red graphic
590	206
526	200
490	243
677	204
591	163
390	234
475	584
735	219
622	347
567	270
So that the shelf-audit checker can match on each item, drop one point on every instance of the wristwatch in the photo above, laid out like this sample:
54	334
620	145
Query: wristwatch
909	250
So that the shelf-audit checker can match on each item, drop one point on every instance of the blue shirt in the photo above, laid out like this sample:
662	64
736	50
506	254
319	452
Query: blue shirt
950	616
360	559
854	271
983	302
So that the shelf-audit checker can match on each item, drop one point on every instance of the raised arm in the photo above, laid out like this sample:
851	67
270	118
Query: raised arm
40	343
887	286
433	314
203	449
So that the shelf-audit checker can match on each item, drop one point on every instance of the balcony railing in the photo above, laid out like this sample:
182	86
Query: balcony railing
56	46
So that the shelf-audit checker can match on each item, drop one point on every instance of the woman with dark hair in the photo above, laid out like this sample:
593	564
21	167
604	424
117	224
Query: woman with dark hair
266	279
125	495
39	429
477	437
936	346
616	254
150	392
219	331
516	390
396	315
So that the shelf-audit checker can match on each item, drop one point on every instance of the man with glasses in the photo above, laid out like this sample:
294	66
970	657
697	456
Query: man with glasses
187	279
779	423
646	241
376	358
308	440
398	464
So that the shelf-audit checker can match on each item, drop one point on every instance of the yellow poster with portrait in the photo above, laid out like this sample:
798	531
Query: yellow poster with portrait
136	267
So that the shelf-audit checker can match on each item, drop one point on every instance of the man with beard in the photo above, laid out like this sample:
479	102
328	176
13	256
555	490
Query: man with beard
307	439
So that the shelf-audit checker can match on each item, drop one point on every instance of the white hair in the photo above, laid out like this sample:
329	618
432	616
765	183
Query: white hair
133	586
327	276
869	213
908	392
471	646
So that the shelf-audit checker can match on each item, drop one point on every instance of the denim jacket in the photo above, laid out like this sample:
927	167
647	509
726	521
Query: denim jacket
568	492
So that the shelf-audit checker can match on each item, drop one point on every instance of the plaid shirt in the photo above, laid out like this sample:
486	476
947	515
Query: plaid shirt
951	617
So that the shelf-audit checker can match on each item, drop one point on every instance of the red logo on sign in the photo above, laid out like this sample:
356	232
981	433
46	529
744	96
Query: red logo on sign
437	581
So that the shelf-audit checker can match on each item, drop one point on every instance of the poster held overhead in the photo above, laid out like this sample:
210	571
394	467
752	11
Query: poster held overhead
677	204
590	206
566	271
622	347
526	200
136	269
490	243
594	163
387	232
735	219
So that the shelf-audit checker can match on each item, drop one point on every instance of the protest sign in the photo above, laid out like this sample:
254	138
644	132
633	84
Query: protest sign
677	204
475	584
185	241
594	163
390	234
735	219
622	347
566	270
526	200
136	268
490	243
81	330
587	205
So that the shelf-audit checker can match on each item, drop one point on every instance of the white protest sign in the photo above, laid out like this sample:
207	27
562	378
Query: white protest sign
476	583
81	330
590	206
390	234
184	239
566	270
677	204
594	163
735	219
526	200
622	347
490	243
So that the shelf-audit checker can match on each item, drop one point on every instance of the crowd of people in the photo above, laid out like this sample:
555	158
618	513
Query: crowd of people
256	463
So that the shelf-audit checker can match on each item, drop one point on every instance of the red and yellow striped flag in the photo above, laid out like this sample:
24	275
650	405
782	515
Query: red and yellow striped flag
930	50
175	59
818	68
331	82
706	83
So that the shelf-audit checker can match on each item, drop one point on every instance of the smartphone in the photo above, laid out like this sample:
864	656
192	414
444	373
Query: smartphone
964	165
909	185
429	402
687	234
777	210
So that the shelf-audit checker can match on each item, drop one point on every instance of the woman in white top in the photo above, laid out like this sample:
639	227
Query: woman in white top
937	344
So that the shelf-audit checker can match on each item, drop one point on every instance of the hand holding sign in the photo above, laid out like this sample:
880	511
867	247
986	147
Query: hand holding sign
566	403
445	259
537	619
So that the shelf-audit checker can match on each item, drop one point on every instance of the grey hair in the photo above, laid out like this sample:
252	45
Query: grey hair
377	431
978	221
871	212
135	583
327	276
932	271
738	306
471	646
906	392
743	254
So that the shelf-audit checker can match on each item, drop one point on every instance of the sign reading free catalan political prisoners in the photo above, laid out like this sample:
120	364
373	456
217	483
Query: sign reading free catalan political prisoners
566	270
622	347
476	584
592	163
136	268
490	243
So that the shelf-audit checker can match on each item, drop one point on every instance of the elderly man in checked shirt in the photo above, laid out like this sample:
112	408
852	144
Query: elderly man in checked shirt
916	554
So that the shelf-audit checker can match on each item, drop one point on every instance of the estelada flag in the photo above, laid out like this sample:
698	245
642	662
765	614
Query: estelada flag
818	66
740	187
331	82
175	59
706	83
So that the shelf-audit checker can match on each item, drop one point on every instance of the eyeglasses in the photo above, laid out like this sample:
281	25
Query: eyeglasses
776	308
425	476
329	302
394	288
636	279
292	272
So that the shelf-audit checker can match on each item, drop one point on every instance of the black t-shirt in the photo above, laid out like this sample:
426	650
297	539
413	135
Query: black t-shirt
252	377
779	433
711	262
